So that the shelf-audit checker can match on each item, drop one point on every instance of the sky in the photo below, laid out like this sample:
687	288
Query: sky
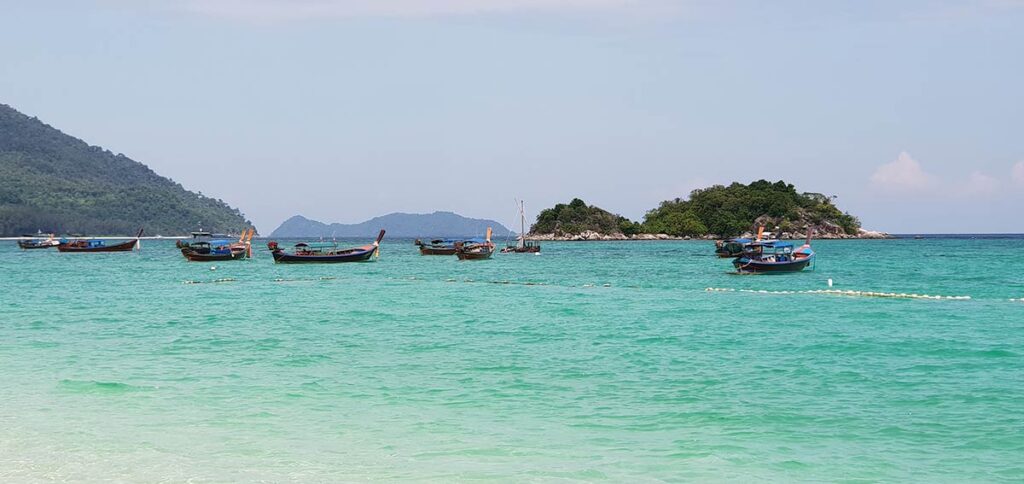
910	112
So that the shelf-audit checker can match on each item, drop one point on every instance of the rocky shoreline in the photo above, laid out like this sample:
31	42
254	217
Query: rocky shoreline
595	236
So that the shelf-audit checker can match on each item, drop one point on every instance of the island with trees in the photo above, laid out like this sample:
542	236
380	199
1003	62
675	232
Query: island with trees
714	212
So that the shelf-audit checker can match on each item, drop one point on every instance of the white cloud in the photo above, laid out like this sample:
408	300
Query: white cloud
268	10
903	173
980	184
1017	172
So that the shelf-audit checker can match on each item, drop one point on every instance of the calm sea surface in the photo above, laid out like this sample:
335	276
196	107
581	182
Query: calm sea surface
594	361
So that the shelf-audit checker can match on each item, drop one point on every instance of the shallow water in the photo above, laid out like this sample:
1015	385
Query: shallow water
593	361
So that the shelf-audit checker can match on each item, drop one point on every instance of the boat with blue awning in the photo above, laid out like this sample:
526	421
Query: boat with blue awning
774	256
210	250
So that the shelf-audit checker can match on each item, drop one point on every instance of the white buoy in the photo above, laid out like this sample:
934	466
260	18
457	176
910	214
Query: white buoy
830	283
213	268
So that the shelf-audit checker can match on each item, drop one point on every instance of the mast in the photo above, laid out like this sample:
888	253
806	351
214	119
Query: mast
522	224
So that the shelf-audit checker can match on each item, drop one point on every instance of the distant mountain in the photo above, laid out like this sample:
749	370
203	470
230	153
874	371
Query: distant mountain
51	181
437	224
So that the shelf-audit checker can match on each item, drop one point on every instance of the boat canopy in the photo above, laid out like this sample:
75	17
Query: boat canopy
769	243
473	240
317	245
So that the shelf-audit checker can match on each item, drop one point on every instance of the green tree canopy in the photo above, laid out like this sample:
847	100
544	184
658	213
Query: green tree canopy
577	217
732	210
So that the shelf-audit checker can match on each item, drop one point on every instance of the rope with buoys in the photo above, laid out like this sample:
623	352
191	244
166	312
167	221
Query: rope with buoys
839	292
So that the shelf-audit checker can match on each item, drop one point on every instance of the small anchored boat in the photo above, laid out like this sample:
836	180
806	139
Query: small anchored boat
774	256
98	245
475	250
304	252
36	242
437	247
220	250
730	248
522	245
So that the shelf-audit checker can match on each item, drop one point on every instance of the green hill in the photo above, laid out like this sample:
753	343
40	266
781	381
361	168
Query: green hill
737	208
55	182
578	217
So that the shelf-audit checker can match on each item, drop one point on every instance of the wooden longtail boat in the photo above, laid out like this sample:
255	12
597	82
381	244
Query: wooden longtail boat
730	248
773	256
437	247
96	245
522	246
475	251
36	243
319	253
220	250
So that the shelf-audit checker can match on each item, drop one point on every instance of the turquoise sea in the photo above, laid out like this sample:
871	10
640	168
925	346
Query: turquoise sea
596	361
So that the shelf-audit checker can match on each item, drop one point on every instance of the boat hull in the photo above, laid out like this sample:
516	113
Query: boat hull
122	247
213	257
533	249
745	265
475	253
363	254
426	250
33	245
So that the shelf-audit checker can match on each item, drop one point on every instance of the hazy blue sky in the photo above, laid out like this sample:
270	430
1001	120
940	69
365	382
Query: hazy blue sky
912	112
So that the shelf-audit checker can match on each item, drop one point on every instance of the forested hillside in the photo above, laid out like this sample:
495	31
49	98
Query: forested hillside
54	182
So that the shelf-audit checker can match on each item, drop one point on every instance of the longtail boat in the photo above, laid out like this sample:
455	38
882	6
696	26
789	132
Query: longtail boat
220	250
522	245
773	256
730	248
325	253
437	247
36	243
475	251
98	245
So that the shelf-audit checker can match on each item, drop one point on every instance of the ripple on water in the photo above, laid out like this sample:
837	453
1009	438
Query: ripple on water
101	387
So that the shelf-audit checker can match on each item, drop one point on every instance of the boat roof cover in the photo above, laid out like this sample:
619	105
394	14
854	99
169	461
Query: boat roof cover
474	240
771	243
318	245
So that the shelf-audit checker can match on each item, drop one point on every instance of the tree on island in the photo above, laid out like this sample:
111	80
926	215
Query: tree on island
578	217
737	208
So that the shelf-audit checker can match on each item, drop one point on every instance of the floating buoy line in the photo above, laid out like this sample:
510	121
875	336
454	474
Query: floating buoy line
839	292
215	281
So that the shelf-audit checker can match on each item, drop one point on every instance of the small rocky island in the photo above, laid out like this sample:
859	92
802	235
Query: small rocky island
709	213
